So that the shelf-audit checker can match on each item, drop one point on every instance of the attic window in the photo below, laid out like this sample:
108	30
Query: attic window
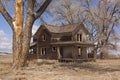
43	38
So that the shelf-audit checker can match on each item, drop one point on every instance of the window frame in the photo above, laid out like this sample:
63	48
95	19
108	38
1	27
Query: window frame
79	37
43	37
54	49
43	51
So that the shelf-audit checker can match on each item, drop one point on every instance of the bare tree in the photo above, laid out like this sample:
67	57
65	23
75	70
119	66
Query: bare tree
67	12
22	29
100	17
104	18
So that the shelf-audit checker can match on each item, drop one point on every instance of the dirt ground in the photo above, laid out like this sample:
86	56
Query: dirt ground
53	70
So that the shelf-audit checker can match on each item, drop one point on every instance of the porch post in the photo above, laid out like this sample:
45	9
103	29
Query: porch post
95	54
38	50
58	53
84	51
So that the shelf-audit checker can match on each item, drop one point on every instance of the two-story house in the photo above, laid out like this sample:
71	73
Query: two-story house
68	41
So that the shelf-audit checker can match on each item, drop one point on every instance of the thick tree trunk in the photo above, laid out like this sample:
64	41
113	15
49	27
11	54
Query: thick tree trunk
18	52
26	40
27	31
17	33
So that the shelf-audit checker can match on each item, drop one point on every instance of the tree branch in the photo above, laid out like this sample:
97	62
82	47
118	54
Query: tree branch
6	15
42	8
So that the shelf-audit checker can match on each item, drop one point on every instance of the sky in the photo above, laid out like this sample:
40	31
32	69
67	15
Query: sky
5	36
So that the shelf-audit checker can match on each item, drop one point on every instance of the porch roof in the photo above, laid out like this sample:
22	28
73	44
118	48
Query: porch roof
77	43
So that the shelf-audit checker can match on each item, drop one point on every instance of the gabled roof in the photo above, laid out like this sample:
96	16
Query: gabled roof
62	29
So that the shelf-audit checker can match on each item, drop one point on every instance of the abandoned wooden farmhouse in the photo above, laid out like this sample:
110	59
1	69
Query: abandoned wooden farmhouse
68	41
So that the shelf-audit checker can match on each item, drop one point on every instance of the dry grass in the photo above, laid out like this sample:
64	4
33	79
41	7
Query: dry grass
53	70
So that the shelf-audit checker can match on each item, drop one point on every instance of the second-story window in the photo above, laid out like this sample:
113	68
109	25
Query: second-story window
79	37
43	37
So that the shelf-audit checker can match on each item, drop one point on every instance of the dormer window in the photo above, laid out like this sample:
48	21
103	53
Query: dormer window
43	37
79	37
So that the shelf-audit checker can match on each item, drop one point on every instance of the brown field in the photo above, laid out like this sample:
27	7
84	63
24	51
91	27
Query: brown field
53	70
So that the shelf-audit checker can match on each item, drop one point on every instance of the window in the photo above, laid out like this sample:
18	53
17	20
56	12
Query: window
53	49
43	51
88	50
79	37
79	51
34	39
43	38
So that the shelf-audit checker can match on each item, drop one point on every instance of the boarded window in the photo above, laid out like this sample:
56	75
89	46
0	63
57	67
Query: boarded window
43	51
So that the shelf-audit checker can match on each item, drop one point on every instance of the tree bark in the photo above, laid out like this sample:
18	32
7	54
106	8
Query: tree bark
17	33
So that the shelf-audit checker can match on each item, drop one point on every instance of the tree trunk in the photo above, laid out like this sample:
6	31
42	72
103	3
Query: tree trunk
26	40
27	31
17	33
